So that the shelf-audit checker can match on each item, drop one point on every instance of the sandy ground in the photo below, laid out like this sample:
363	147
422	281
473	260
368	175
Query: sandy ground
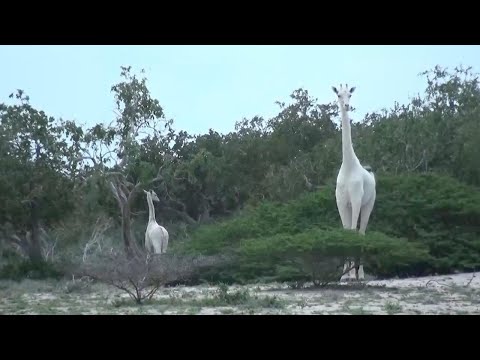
454	294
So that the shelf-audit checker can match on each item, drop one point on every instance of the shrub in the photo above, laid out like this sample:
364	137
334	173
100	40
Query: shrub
437	211
311	211
25	269
142	276
435	217
318	255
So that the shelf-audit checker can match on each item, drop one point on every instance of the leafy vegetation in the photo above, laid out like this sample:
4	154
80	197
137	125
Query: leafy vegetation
263	193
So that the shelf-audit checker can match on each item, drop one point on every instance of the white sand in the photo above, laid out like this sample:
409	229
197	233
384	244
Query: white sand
452	294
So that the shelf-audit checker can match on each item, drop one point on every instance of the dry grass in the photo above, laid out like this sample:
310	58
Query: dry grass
456	294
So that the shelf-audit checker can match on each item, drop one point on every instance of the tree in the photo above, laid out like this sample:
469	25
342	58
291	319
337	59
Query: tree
36	188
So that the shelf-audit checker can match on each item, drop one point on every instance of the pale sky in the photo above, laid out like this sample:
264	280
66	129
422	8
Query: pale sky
204	87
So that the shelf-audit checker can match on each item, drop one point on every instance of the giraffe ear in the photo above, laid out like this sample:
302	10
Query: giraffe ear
146	192
334	89
352	90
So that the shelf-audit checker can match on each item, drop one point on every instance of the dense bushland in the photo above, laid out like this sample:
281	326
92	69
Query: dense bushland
264	192
422	223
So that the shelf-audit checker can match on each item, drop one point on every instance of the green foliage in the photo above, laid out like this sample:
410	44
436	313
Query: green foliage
268	218
272	178
231	298
34	150
26	269
437	211
438	215
319	255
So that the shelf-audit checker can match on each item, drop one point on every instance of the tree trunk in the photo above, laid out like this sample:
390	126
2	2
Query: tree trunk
131	248
124	200
34	248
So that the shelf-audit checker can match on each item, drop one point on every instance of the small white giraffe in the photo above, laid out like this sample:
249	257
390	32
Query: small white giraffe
356	186
156	236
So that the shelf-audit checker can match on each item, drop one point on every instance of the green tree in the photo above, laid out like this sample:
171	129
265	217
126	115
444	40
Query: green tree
37	187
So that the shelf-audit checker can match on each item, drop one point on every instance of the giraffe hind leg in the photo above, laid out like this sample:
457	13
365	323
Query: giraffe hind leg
366	211
345	212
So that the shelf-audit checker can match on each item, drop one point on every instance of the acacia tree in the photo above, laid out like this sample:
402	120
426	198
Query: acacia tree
114	150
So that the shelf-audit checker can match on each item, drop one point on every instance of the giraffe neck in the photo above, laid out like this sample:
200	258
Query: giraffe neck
151	209
348	154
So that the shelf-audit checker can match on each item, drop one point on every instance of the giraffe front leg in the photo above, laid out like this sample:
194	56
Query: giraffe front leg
366	211
345	212
357	194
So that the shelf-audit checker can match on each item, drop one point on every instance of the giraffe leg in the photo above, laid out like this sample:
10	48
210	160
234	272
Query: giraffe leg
366	211
345	212
345	215
365	216
356	198
356	206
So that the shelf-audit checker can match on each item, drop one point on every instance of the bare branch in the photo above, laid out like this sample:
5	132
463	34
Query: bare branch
142	277
182	214
154	180
122	194
115	173
125	190
432	281
101	226
470	281
115	194
23	244
128	183
81	158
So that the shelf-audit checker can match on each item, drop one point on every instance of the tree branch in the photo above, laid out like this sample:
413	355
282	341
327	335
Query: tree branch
23	244
182	214
81	158
115	194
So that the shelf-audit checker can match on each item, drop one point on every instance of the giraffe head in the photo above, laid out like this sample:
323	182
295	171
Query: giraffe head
344	95
153	195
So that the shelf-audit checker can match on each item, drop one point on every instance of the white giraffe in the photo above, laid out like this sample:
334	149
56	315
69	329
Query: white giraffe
356	186
156	236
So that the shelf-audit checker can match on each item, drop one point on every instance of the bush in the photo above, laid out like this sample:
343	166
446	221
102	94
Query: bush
142	276
435	217
311	211
25	269
318	256
437	211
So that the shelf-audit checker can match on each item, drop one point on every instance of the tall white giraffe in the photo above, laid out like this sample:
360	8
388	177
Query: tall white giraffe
156	236
356	186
